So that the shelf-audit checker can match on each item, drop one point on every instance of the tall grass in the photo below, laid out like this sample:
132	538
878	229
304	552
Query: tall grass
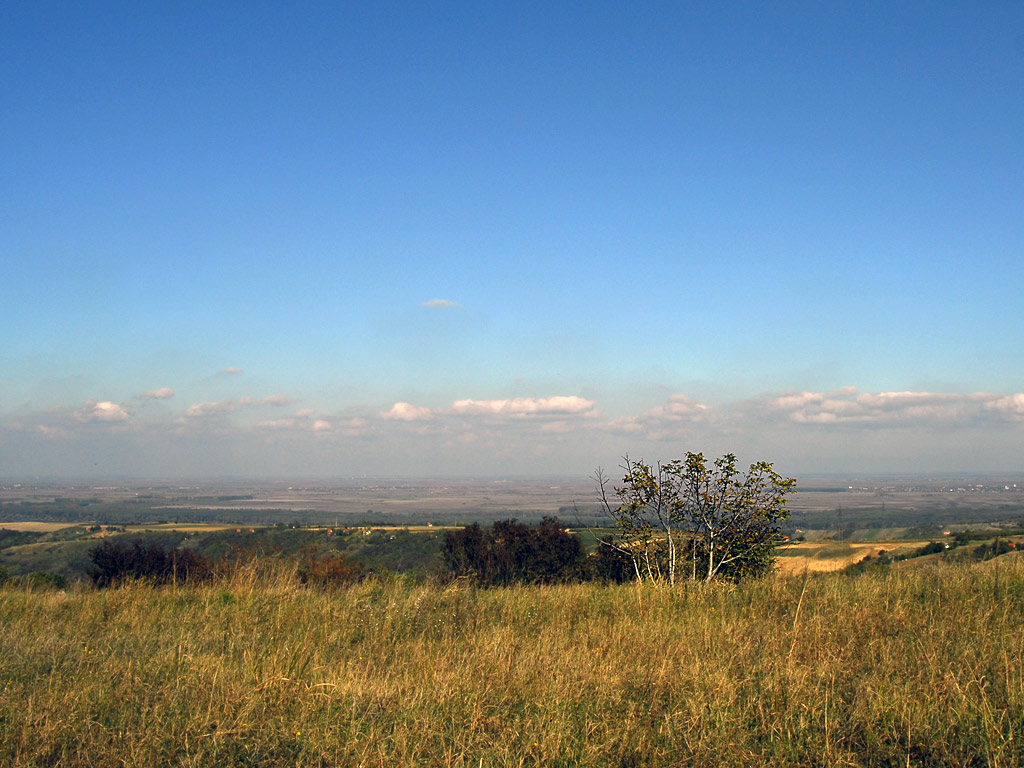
920	667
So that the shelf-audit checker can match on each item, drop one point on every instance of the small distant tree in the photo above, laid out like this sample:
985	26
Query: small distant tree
714	518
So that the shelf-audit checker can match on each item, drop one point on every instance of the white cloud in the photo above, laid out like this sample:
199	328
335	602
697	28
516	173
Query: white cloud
102	411
820	430
899	400
211	409
407	412
526	406
798	400
665	421
285	423
440	304
841	408
846	406
1011	404
230	371
825	417
559	427
682	407
627	424
156	394
278	400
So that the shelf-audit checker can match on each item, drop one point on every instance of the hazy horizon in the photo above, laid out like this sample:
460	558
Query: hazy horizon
444	239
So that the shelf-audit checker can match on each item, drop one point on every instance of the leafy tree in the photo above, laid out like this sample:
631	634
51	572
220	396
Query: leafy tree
714	518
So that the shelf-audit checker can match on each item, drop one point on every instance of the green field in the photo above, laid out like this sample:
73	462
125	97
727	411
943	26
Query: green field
920	666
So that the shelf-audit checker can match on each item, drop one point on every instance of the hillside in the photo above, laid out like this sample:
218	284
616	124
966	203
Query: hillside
921	666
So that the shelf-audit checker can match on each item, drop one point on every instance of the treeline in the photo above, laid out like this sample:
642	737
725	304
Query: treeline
507	552
985	551
116	562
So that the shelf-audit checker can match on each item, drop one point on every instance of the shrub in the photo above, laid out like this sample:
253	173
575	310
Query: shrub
114	562
610	563
511	552
996	548
326	569
931	548
43	580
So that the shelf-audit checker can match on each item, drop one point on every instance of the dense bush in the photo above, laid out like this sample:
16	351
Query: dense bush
115	562
994	549
511	552
330	568
610	563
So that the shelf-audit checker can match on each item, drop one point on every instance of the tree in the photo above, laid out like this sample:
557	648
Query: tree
722	521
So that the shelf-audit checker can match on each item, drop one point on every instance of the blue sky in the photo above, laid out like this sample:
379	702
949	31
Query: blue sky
459	238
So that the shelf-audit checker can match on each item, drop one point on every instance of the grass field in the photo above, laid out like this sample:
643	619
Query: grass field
823	556
914	667
38	527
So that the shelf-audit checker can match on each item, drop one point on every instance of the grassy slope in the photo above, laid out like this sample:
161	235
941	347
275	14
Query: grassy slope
67	551
921	667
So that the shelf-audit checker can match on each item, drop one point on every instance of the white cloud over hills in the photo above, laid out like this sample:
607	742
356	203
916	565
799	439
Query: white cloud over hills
104	411
555	430
441	304
407	412
163	393
211	409
525	406
849	407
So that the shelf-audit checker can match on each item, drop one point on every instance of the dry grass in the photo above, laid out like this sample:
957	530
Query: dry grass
921	667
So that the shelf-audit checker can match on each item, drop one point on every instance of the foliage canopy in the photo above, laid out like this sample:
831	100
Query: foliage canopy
710	516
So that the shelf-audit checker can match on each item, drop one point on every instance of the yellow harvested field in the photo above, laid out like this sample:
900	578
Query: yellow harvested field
818	557
189	527
43	527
